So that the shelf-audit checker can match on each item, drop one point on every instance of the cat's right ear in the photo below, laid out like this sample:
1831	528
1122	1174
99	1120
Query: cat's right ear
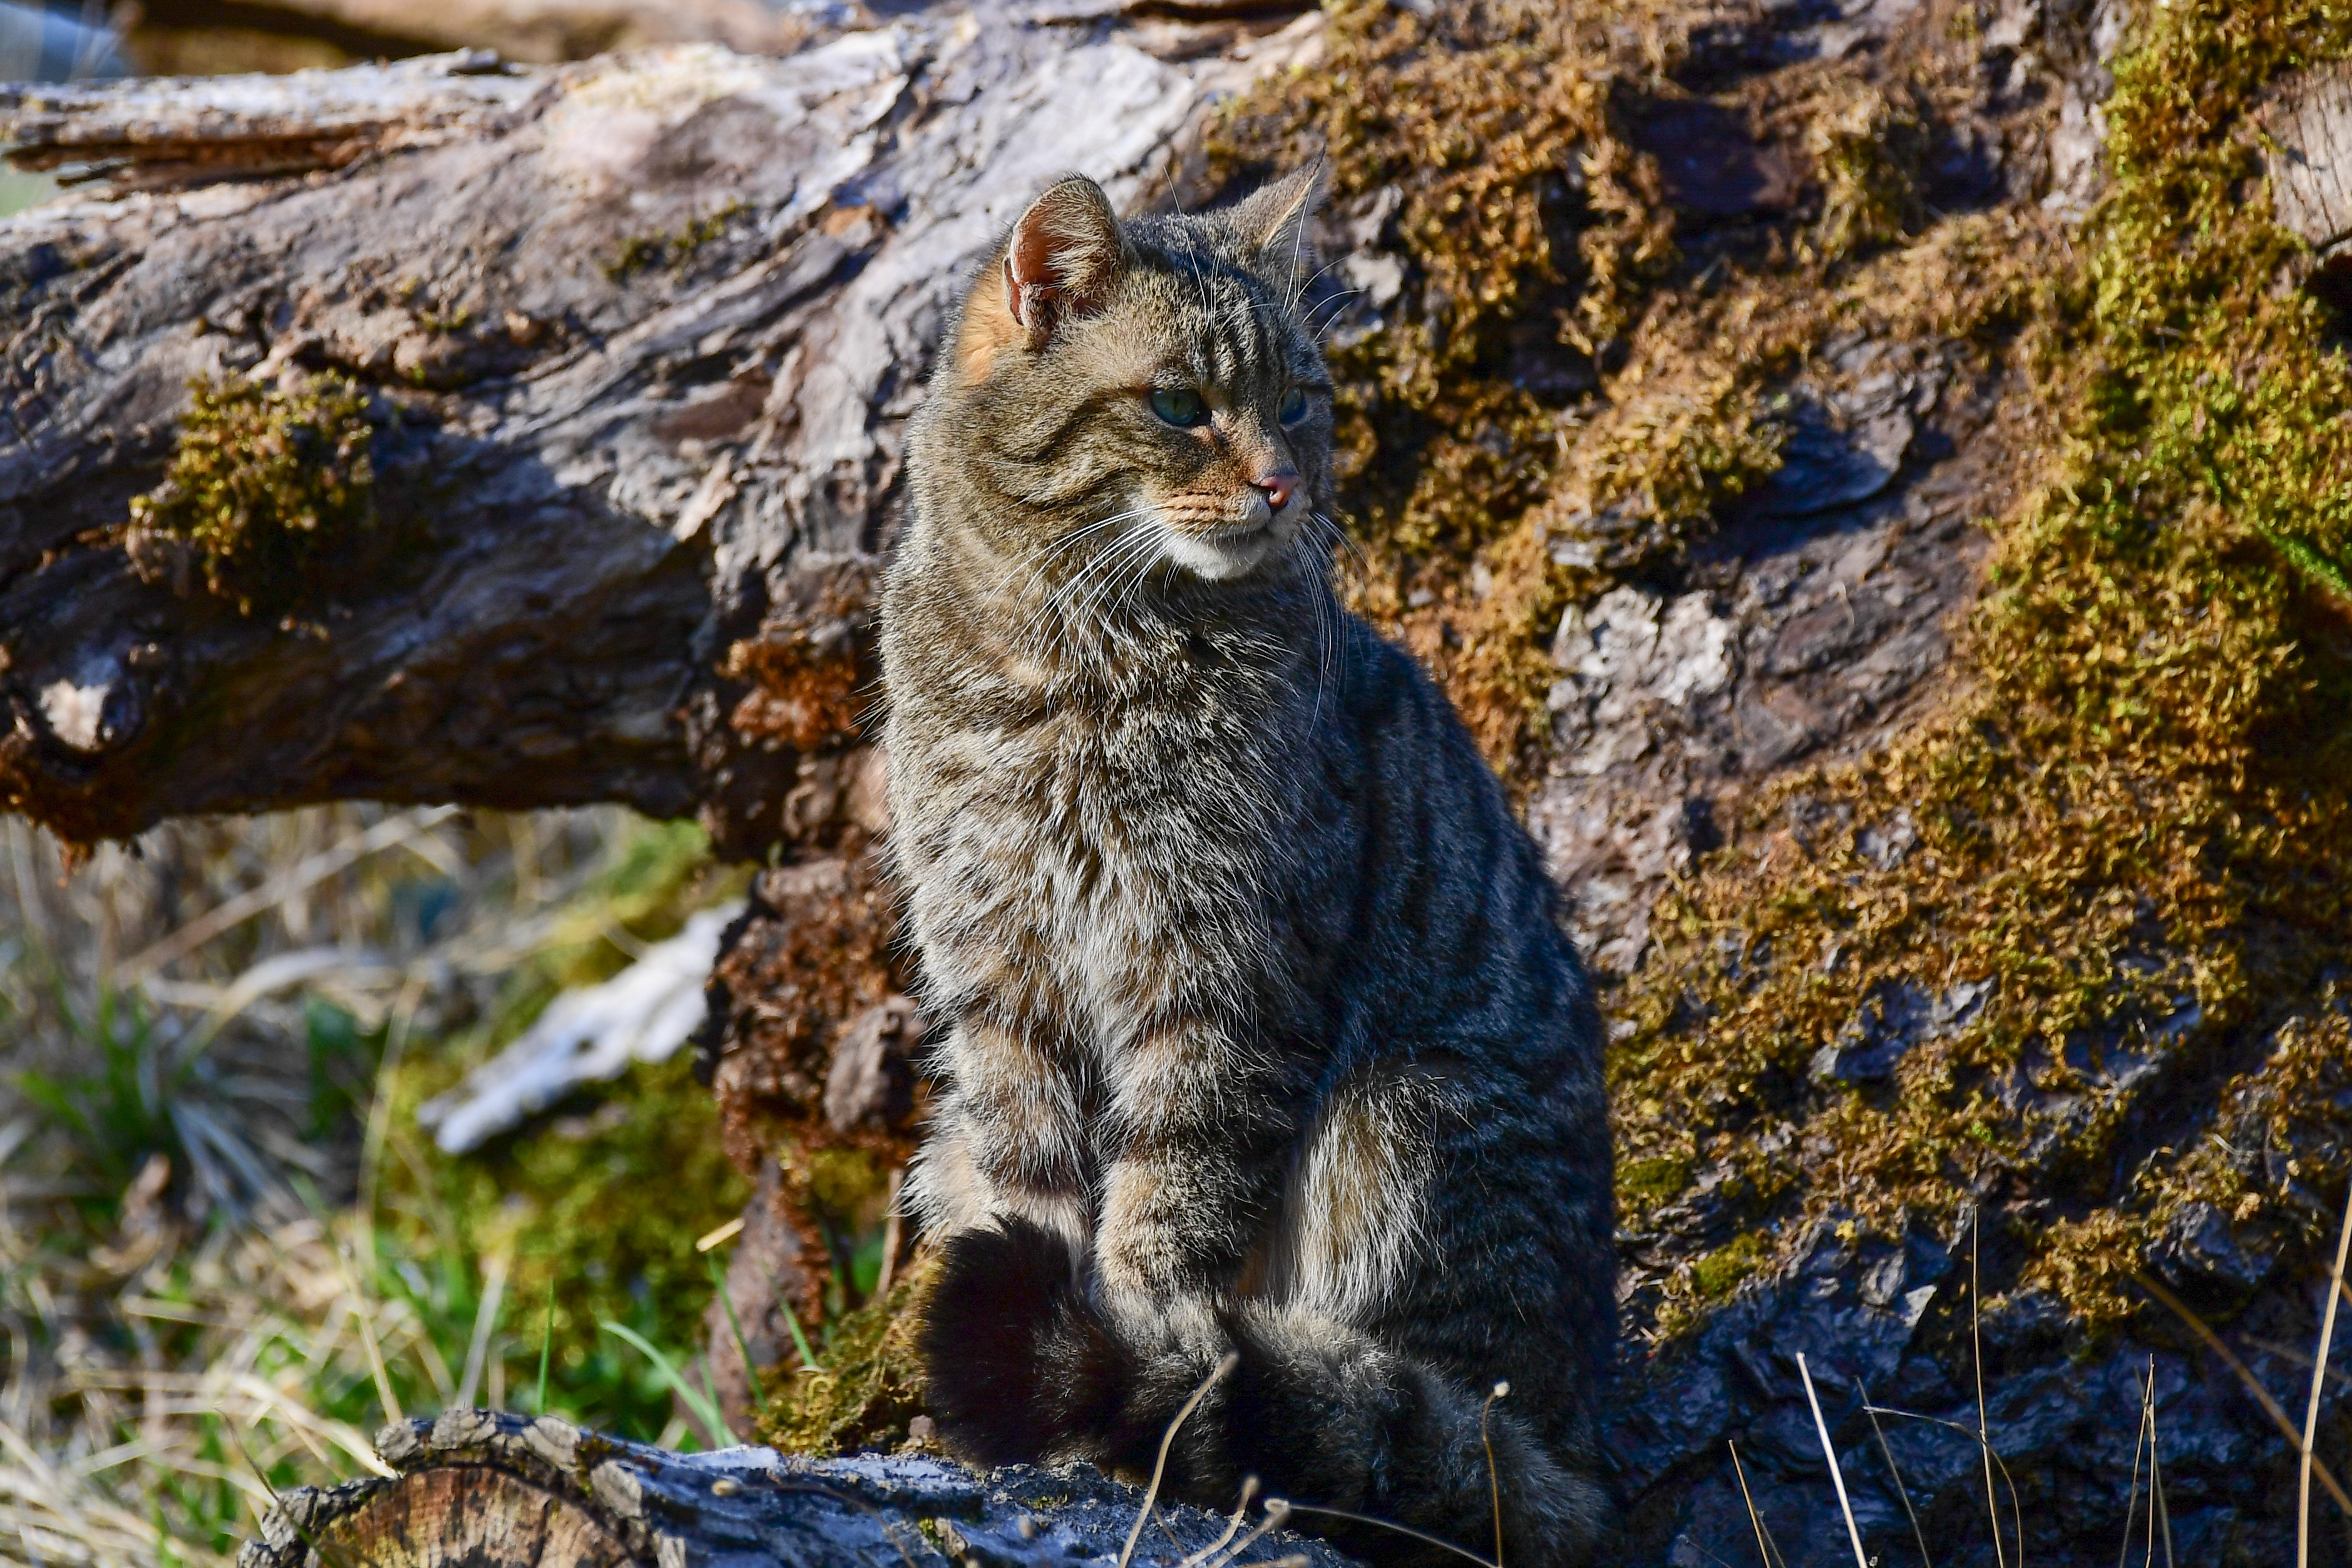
1060	261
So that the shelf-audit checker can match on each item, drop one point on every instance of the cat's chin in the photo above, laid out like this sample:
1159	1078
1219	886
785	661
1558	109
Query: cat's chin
1228	556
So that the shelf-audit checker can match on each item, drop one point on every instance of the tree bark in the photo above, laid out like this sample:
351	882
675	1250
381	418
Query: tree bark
487	1490
638	337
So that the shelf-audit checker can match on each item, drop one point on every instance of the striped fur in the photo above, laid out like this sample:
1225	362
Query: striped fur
1263	1035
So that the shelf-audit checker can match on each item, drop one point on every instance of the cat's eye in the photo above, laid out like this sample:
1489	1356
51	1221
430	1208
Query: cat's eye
1180	406
1294	406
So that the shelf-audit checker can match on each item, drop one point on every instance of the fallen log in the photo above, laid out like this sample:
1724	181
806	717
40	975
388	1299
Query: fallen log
487	1490
631	346
632	342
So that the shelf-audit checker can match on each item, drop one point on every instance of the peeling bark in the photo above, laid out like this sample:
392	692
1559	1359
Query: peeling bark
639	334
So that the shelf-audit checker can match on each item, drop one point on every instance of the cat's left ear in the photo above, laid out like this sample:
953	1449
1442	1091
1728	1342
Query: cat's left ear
1058	261
1271	224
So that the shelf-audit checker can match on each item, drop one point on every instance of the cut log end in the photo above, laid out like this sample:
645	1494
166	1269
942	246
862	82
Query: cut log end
470	1514
478	1489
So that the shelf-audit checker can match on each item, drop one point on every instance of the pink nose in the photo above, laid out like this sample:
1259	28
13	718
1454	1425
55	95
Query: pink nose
1279	486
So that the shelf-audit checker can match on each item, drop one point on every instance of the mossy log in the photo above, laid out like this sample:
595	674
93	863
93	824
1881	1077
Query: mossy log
1680	450
637	336
477	1488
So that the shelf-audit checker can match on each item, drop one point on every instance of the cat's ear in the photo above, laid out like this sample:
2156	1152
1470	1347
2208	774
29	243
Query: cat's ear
1271	224
1060	261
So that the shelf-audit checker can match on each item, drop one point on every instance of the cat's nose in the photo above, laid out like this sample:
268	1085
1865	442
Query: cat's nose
1278	487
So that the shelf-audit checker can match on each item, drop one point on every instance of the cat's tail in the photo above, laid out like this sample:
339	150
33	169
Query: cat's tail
1025	1367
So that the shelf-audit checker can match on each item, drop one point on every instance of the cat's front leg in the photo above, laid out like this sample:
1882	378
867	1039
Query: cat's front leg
1002	1182
1006	1139
1198	1120
1192	1133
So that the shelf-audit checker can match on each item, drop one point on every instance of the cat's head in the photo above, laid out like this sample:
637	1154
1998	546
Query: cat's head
1148	387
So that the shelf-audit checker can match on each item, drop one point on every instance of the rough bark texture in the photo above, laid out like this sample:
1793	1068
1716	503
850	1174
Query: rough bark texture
483	1490
638	337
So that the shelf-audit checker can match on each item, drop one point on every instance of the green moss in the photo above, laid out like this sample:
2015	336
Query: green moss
640	252
1867	154
1719	1273
870	1384
2134	823
265	489
1652	1183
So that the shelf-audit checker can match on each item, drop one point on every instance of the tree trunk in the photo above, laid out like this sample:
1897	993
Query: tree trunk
636	339
483	1490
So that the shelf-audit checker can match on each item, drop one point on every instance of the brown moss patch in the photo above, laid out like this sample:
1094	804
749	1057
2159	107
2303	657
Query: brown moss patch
811	664
816	951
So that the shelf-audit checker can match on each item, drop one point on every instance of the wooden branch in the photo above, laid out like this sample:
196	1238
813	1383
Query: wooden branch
493	1491
638	336
2310	125
543	31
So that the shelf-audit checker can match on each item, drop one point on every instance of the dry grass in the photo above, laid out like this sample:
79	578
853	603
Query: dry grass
225	1255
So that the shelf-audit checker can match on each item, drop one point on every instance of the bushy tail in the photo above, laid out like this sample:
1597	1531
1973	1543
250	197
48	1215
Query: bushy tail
1025	1368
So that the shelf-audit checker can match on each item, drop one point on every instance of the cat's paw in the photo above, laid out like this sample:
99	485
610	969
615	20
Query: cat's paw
1021	1366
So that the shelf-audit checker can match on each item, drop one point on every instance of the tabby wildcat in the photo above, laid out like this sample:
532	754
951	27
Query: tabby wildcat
1262	1036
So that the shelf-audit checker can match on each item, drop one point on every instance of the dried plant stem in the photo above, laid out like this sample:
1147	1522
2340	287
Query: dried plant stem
1829	1452
1494	1485
2271	1407
1380	1524
1870	1408
390	833
1225	1364
2318	1387
2131	1498
1976	1347
1232	1526
2161	1516
1763	1541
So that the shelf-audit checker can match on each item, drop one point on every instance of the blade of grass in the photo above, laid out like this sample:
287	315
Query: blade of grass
704	1410
360	1312
800	1340
710	1390
486	1322
2271	1407
2319	1385
546	1344
735	1324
